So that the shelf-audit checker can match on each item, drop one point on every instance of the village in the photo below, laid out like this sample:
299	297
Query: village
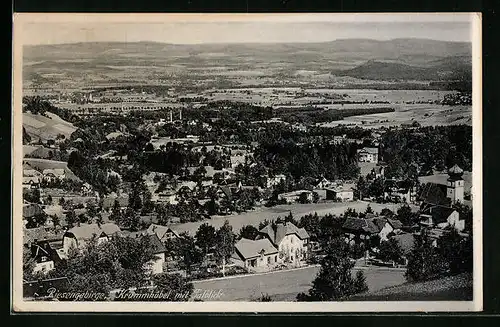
188	208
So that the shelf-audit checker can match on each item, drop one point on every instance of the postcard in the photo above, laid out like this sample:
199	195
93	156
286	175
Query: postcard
214	162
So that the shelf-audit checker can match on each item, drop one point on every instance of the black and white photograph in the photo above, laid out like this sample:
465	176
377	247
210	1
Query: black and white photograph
211	162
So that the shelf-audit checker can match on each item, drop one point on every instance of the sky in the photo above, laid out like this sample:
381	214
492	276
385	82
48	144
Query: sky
239	28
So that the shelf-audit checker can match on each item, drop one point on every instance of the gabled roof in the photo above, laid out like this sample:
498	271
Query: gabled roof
43	249
227	191
160	230
439	214
434	194
247	249
369	150
154	243
31	173
283	230
55	171
86	231
455	170
361	225
41	234
396	224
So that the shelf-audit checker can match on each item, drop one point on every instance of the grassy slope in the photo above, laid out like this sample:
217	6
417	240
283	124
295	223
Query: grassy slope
38	126
455	288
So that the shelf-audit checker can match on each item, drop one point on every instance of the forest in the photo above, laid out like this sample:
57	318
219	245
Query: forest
411	152
284	156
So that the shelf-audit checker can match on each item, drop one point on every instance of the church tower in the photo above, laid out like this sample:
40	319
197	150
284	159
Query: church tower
455	185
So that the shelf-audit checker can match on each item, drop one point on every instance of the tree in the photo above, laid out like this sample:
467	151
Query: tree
185	247
28	264
360	285
386	212
303	198
176	287
225	244
205	237
249	232
335	280
264	223
311	224
457	252
71	218
315	197
32	196
116	212
424	261
405	215
390	251
118	263
369	210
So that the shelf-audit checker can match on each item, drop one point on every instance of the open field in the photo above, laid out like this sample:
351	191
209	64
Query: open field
285	285
298	210
38	126
425	114
41	164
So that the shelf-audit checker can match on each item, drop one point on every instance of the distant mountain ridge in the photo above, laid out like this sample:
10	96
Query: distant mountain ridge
449	68
375	48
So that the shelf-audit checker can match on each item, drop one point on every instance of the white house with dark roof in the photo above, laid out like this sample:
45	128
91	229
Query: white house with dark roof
53	174
164	233
255	254
290	241
368	155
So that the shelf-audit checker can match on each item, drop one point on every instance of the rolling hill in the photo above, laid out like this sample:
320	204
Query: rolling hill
448	68
142	62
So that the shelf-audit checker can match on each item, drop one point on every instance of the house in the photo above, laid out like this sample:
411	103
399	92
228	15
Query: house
51	175
338	139
442	217
45	257
386	227
86	189
399	191
359	228
273	181
342	194
33	235
323	183
294	196
155	266
258	254
78	236
444	194
368	155
165	196
164	233
291	241
377	172
31	178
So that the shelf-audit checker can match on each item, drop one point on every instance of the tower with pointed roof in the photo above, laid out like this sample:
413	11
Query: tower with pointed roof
455	184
